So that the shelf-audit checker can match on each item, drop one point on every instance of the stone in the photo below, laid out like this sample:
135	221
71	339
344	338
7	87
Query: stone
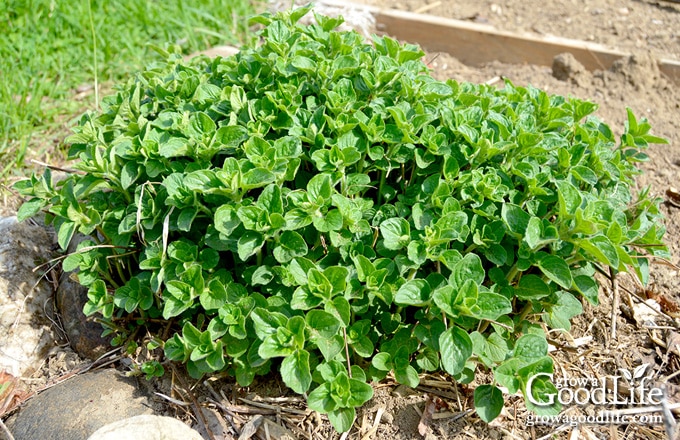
217	51
26	311
146	427
355	17
404	391
75	408
84	333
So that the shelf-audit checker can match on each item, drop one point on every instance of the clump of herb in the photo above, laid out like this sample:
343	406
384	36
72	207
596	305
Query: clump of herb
322	207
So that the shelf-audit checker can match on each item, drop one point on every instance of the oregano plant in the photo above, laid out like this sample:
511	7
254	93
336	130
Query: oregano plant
322	208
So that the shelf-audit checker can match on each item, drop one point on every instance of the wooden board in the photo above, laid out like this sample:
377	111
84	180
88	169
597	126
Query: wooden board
475	44
670	68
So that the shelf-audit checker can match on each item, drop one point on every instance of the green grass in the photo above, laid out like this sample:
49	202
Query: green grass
47	55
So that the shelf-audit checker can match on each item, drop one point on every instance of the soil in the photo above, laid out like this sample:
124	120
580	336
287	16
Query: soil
648	29
629	26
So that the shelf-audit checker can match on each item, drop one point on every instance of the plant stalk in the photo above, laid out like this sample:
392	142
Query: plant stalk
349	366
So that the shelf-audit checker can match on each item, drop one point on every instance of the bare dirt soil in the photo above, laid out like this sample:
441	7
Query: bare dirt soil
626	25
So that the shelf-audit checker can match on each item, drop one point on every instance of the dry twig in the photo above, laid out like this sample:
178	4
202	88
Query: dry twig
6	431
197	409
227	412
615	302
376	424
56	168
669	423
640	410
426	8
250	428
275	408
172	400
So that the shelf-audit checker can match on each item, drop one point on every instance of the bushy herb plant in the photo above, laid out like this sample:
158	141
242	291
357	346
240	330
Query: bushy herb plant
322	207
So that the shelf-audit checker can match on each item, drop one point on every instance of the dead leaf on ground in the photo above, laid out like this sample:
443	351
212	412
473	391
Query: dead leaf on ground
426	418
673	342
250	428
646	312
274	431
12	393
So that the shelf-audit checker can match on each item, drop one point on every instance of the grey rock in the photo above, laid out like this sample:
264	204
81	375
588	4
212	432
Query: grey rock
84	333
146	427
26	311
76	408
217	51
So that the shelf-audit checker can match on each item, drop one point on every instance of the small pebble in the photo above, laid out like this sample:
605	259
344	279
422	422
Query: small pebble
403	391
387	418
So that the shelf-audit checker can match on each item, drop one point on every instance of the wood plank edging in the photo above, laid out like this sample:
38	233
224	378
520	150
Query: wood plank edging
475	44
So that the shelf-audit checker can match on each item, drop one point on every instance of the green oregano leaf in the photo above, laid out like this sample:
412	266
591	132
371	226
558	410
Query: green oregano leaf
515	218
413	293
530	347
488	402
456	348
295	371
396	233
532	287
556	269
559	313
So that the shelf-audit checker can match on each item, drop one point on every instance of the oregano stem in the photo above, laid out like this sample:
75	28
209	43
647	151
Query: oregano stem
204	210
381	197
349	366
105	238
119	269
108	278
412	274
512	273
470	248
525	311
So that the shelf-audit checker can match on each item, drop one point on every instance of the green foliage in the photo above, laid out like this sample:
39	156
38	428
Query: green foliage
323	208
47	52
152	369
